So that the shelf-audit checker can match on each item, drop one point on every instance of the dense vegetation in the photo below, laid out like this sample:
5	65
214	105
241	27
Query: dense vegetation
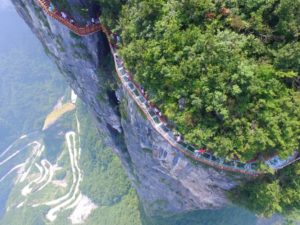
234	66
230	65
274	193
226	73
105	180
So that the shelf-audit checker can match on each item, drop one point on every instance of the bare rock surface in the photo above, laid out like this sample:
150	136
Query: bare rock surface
166	181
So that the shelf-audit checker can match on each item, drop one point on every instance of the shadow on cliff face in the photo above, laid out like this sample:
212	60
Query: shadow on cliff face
226	216
104	50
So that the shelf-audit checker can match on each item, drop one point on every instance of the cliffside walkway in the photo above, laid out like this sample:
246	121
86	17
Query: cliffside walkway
77	29
137	94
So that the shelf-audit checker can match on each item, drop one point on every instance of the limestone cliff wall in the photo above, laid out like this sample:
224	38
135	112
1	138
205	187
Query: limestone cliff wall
165	180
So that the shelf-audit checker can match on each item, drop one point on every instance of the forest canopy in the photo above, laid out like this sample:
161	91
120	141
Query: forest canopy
226	74
234	66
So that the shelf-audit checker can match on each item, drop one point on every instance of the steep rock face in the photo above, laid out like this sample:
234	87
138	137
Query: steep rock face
166	181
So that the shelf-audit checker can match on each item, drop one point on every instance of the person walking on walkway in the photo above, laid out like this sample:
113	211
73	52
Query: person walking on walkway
63	15
51	7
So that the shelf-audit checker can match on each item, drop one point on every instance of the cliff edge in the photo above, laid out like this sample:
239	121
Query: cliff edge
166	181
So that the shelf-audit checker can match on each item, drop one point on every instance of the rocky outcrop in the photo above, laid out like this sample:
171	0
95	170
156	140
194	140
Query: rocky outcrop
166	181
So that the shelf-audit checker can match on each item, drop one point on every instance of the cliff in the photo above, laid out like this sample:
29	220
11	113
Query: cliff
166	181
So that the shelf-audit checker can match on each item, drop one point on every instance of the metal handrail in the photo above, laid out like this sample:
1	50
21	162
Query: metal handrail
141	100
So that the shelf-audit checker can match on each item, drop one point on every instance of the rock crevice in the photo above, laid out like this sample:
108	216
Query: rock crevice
166	181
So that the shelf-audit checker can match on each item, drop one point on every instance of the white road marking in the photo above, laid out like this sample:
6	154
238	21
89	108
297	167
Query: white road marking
17	152
52	213
73	97
28	189
12	170
12	144
50	177
71	145
20	205
41	171
37	152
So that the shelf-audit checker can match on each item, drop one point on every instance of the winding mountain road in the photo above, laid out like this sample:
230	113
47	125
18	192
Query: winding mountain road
65	201
17	152
11	145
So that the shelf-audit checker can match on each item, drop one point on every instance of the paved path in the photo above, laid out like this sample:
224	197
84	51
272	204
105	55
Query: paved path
158	124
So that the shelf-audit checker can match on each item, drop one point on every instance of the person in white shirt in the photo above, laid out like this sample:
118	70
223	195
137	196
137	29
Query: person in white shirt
64	15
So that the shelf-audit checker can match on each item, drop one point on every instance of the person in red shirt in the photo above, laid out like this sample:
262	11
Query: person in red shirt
201	151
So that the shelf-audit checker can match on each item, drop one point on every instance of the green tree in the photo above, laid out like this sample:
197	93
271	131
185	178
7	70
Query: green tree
238	74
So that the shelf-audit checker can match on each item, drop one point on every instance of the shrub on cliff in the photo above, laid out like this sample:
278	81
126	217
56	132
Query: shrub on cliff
239	98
